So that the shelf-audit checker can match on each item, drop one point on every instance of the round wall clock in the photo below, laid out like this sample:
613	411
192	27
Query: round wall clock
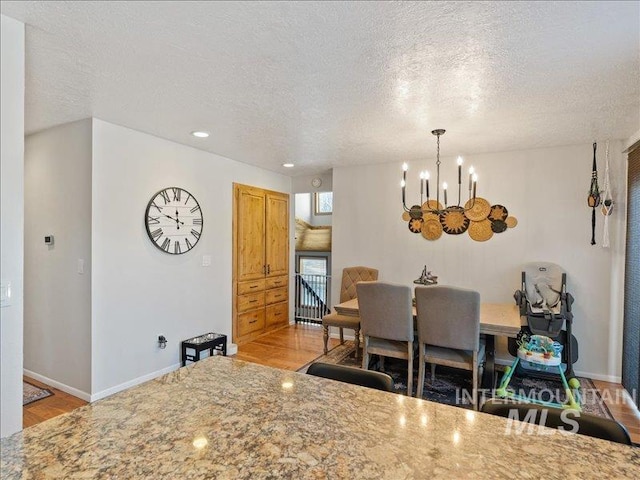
173	220
316	182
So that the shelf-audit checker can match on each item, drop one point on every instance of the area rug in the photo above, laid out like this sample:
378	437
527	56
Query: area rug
453	387
31	393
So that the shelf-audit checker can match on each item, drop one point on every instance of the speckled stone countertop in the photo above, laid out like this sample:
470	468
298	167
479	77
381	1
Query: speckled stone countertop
227	419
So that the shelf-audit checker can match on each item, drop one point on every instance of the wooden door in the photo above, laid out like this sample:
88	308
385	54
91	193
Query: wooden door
251	233
277	234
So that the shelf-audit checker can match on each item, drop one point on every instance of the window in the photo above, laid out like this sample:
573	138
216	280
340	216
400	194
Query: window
313	265
323	204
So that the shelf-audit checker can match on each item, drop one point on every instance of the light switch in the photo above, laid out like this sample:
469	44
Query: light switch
80	266
206	260
5	294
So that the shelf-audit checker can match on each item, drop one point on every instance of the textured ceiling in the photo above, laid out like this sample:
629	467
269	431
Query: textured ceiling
325	84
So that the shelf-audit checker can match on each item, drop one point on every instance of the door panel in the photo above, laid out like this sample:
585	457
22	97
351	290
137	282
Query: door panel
277	238
251	234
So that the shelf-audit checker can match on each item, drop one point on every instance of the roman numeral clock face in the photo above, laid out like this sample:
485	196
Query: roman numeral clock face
174	220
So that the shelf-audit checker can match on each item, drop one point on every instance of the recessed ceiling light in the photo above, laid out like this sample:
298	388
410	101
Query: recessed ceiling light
200	134
287	165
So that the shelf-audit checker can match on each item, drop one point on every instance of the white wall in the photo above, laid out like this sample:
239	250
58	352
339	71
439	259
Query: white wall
11	222
303	184
140	292
546	189
303	206
57	312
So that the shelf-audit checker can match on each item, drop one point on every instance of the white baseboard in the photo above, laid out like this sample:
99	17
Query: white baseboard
598	376
132	383
60	386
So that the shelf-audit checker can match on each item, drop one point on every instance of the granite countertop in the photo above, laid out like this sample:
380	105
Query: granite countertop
228	419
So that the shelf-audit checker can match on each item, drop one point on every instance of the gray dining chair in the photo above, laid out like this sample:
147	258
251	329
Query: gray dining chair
350	277
448	321
386	320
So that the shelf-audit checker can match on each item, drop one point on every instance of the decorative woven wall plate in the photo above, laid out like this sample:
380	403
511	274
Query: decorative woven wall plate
432	228
498	226
415	225
479	219
454	221
481	231
477	209
432	205
415	212
498	212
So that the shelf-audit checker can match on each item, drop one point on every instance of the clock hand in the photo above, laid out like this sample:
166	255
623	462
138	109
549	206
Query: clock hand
177	221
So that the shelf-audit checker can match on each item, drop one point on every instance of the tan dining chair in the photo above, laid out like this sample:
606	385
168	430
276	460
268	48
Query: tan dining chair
386	320
448	321
350	276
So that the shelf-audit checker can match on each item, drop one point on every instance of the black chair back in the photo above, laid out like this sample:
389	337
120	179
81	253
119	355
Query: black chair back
590	425
355	376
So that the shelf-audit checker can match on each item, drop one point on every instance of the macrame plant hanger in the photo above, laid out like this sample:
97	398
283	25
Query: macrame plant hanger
593	200
607	200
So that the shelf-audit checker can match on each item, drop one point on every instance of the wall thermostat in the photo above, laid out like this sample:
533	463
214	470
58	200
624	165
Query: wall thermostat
48	239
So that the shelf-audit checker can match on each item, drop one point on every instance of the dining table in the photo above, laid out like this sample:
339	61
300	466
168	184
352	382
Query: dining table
496	319
224	418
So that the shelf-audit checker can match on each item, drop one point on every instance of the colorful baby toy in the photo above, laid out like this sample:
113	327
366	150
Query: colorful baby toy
540	353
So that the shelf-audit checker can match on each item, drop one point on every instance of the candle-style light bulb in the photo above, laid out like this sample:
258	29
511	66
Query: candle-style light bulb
426	180
403	183
459	160
405	167
471	170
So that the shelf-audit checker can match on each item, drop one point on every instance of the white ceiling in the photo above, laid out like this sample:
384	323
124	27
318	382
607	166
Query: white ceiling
325	84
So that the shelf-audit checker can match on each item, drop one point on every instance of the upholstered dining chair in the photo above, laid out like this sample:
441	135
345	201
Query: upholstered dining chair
386	320
566	419
350	276
353	375
448	321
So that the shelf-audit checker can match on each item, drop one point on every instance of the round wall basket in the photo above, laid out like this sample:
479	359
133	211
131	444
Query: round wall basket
477	209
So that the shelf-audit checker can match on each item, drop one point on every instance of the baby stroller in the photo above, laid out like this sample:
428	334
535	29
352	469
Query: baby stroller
543	348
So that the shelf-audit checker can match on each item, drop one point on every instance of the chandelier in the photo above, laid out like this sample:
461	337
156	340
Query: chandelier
431	205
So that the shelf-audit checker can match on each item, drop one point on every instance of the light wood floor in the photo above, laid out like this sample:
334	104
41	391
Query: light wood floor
291	348
57	404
